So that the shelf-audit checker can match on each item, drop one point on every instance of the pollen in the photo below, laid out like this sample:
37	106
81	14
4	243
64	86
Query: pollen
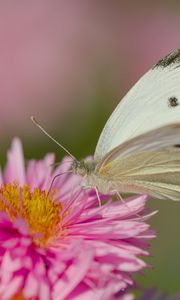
39	209
20	296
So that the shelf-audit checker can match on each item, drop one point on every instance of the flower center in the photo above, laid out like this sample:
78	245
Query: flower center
19	296
38	208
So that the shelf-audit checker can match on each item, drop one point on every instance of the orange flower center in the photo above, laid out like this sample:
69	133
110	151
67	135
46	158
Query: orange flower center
38	208
19	296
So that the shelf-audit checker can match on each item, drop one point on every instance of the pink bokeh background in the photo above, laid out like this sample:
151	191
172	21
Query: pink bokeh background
53	54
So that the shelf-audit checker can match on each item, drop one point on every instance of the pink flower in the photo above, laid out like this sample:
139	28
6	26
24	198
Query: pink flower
61	245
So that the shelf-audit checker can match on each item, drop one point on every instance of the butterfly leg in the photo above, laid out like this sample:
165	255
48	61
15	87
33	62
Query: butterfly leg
97	194
96	191
124	203
118	195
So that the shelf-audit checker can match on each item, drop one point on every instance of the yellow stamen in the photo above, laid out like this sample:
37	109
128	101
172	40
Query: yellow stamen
38	208
19	296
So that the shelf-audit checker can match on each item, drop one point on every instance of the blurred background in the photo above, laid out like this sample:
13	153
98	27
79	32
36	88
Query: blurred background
69	63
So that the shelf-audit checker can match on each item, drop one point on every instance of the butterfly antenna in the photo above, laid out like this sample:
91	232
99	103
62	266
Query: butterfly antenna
46	133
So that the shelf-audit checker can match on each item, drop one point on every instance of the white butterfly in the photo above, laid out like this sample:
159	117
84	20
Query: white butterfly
136	150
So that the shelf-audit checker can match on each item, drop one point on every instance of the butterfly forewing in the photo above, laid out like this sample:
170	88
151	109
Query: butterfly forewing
153	102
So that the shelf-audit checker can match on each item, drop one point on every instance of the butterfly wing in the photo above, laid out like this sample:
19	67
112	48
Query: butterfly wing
161	138
153	102
147	164
156	173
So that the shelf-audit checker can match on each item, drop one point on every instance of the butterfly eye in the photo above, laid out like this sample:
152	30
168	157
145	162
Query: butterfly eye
173	102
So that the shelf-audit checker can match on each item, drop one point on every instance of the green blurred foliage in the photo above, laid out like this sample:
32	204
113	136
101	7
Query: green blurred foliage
164	261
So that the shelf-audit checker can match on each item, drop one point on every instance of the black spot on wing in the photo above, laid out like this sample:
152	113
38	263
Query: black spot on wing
172	58
173	102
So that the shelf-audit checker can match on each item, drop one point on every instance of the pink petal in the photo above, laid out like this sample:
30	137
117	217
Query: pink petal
71	277
13	287
15	170
1	178
31	286
44	291
39	172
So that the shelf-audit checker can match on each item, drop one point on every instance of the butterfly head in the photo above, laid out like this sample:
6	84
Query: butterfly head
83	167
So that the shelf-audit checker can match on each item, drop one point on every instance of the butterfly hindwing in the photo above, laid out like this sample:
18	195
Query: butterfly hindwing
156	173
148	164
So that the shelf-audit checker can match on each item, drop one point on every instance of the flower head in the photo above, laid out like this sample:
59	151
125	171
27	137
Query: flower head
58	243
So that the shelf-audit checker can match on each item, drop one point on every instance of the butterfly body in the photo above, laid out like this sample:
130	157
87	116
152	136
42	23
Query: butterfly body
91	177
